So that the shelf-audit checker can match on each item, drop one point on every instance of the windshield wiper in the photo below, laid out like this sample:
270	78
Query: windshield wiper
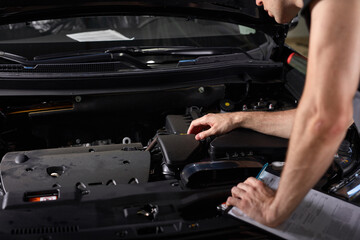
136	51
82	58
178	51
125	55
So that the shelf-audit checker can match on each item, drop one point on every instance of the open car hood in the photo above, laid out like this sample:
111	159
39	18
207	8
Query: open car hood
242	12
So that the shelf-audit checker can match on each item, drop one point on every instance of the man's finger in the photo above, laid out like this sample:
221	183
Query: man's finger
237	192
191	128
233	201
245	187
204	134
200	136
196	126
252	181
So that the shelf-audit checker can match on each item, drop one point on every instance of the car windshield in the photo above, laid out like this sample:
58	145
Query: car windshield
48	36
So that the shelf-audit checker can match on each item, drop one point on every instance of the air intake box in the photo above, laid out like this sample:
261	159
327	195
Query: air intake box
179	150
244	142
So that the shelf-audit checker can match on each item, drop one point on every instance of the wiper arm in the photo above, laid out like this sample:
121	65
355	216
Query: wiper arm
12	57
180	51
84	58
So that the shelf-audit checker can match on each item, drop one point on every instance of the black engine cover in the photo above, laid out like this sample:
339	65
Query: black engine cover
39	175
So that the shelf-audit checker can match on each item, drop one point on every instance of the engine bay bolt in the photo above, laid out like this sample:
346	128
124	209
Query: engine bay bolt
133	181
201	90
54	175
111	182
78	99
81	187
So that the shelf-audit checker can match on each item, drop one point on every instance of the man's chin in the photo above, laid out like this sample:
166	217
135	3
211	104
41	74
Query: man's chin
282	20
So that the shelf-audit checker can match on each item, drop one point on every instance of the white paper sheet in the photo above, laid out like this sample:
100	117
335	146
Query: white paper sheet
319	216
96	36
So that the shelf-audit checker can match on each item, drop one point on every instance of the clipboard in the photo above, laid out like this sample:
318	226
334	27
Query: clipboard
319	216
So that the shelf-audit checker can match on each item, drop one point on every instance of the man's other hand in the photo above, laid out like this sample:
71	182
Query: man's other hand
211	124
254	199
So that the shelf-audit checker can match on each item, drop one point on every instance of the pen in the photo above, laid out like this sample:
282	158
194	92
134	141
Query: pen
262	170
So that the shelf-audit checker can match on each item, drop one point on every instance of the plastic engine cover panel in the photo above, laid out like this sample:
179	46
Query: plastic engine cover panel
96	165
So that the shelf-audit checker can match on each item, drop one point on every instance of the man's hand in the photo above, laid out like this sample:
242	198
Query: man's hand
212	124
255	199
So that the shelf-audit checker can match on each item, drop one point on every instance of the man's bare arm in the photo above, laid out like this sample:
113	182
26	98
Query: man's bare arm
322	116
272	123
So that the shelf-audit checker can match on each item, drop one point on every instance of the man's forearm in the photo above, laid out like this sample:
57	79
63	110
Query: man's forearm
273	123
311	151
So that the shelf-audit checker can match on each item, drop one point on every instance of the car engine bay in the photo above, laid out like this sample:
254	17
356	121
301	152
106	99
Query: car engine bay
121	139
133	147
